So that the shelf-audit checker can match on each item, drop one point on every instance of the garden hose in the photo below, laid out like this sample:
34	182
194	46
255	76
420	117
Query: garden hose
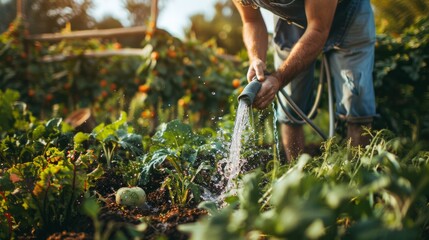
249	93
324	68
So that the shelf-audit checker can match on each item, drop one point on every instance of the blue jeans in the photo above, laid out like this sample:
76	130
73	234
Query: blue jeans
351	65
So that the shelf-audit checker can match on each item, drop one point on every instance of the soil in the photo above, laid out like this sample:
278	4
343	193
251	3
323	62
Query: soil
162	217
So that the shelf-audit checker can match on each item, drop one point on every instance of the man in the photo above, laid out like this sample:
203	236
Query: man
343	30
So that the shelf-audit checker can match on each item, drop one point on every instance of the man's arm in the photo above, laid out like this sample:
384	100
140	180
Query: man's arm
320	14
255	38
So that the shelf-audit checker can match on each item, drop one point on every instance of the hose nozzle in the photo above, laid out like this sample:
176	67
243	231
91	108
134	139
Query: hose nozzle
249	92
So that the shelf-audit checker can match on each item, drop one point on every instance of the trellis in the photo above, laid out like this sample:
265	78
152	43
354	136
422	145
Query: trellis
86	34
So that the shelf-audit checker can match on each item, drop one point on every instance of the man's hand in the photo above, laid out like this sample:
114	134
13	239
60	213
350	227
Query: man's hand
270	86
257	68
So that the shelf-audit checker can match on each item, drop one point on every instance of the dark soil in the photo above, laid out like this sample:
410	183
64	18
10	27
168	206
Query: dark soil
161	216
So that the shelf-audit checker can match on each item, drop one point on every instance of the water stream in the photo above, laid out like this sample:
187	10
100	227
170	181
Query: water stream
230	167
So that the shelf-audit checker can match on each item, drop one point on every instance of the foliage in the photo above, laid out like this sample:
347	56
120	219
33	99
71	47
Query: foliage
183	155
111	229
224	28
395	16
171	79
41	176
112	137
346	193
51	16
401	69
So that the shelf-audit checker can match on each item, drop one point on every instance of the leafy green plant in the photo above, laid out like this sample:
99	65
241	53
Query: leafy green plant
111	229
44	194
401	67
348	193
182	155
112	138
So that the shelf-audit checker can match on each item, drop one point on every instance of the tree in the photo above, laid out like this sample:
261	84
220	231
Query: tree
108	22
139	10
8	12
225	27
395	15
51	16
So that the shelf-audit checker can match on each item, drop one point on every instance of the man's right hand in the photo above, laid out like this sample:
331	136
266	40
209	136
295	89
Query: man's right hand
257	67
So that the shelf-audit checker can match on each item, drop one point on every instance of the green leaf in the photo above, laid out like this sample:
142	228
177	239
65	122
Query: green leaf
38	132
91	207
157	159
80	137
174	134
210	206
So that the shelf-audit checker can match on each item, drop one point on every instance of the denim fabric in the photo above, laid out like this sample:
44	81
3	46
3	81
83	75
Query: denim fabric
350	53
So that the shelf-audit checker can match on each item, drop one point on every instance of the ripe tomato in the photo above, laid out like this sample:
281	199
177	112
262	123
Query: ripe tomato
144	88
154	55
236	83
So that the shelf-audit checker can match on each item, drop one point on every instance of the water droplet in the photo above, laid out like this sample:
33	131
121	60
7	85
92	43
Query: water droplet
213	93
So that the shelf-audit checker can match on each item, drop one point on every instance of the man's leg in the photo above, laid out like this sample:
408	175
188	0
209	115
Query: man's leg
351	67
356	132
292	140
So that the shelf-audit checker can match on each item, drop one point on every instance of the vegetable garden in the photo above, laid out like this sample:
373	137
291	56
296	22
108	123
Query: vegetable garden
163	120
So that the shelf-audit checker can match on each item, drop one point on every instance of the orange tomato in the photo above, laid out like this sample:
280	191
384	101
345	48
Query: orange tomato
49	97
236	83
113	86
103	83
154	55
171	53
31	92
182	102
104	94
148	114
117	45
144	88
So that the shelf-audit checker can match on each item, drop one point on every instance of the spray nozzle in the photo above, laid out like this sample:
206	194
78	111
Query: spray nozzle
250	91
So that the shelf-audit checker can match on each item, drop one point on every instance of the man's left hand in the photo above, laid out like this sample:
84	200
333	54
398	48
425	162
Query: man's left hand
267	93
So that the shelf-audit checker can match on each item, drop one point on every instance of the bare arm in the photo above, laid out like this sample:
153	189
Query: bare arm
255	37
304	52
311	43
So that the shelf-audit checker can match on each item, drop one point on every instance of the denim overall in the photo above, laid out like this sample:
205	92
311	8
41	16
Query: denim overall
349	50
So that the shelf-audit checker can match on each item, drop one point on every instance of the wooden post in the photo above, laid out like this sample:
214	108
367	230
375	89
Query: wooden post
153	14
19	8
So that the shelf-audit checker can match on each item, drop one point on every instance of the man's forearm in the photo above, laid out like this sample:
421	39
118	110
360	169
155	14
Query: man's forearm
302	55
255	38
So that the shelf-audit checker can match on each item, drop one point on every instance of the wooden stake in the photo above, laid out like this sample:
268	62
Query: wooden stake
19	8
153	14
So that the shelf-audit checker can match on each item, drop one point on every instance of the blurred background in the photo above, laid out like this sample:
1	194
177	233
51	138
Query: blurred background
165	59
206	18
